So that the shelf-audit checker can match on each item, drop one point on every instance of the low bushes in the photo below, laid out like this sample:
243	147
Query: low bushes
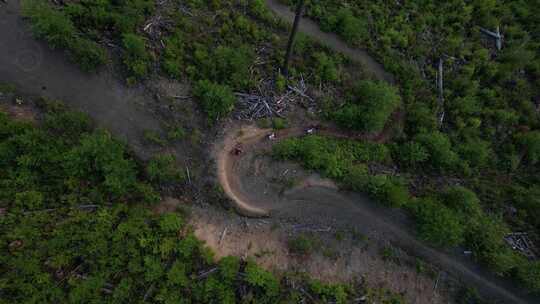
437	224
60	32
163	169
224	65
353	29
173	59
136	57
343	160
216	100
369	108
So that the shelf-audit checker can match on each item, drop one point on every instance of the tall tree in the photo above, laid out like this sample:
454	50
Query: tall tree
297	18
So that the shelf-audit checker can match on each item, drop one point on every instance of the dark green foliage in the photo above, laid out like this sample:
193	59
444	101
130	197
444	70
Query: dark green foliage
529	274
264	285
87	54
370	107
77	26
65	158
351	28
224	65
527	200
437	223
326	68
411	154
60	32
216	100
173	57
332	157
462	200
440	151
301	245
136	58
485	238
477	153
335	293
531	145
101	161
279	123
163	169
50	24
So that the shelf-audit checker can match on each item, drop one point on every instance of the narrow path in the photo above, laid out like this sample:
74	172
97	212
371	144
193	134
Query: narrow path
37	70
312	29
323	204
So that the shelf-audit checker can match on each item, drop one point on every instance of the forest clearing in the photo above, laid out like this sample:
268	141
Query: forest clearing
203	152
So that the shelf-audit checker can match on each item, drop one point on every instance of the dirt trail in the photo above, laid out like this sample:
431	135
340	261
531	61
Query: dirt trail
227	176
318	201
37	70
312	29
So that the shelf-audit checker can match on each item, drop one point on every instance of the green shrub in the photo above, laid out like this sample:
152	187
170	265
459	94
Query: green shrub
388	190
357	178
101	160
88	54
173	58
279	123
440	151
462	200
265	286
29	200
371	106
475	152
326	68
485	238
529	274
216	100
154	137
50	24
60	32
527	201
136	57
67	125
301	245
437	223
411	154
334	293
176	133
531	145
223	65
162	169
348	26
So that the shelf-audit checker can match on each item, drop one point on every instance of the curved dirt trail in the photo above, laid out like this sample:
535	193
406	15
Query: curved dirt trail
312	29
230	182
318	201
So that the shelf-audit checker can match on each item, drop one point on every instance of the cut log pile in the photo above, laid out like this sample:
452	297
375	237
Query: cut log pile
267	102
520	241
156	26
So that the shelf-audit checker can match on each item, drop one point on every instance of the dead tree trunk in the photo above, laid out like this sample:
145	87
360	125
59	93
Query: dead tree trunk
290	45
440	85
495	35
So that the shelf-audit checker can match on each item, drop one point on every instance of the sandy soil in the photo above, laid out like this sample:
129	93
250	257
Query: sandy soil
337	261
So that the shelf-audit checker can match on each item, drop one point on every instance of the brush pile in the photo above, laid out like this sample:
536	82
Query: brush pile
266	101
